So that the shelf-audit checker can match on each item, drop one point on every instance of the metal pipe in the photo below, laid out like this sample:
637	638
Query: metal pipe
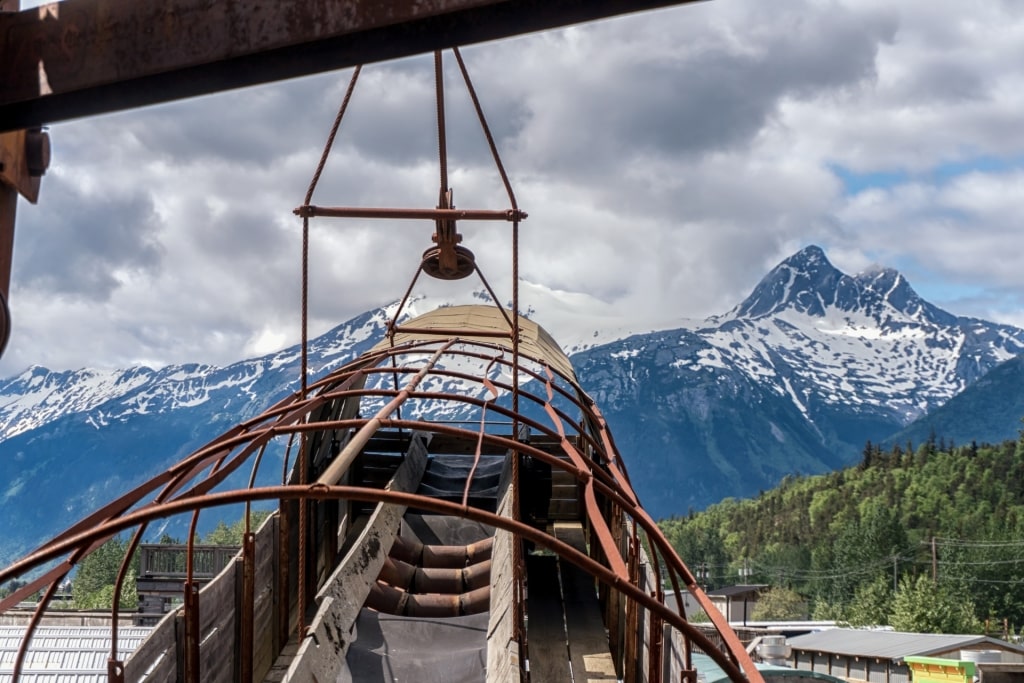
311	211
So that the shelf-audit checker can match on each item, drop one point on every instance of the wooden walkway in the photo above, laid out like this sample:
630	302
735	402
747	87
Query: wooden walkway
566	635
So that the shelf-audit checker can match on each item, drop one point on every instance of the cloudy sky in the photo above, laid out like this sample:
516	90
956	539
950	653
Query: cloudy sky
667	161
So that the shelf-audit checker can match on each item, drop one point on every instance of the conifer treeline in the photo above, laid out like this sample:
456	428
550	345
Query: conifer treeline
938	519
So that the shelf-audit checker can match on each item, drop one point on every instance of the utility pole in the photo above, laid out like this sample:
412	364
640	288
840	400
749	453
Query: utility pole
895	559
935	563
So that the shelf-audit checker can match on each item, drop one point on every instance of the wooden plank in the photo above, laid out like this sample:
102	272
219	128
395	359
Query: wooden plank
502	647
322	656
546	636
588	642
264	624
83	57
155	658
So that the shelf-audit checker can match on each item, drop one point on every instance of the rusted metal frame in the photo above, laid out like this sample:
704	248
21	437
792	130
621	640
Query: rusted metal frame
650	528
37	616
633	655
133	545
655	535
685	573
311	211
190	608
45	552
304	453
483	425
199	48
341	463
416	347
655	633
107	512
676	565
570	396
247	598
14	597
622	476
452	332
510	444
604	535
393	322
41	606
442	137
615	463
672	559
603	479
318	491
538	400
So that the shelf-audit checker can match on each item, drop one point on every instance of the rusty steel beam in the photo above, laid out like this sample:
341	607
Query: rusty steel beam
82	57
311	211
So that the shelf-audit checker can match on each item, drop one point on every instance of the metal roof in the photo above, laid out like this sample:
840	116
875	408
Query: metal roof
890	644
730	591
714	674
65	654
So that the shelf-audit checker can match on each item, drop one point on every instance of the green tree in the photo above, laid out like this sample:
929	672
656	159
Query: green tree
921	606
232	535
779	604
871	604
93	585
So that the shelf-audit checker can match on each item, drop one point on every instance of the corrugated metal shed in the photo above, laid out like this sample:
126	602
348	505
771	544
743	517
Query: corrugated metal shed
733	591
65	654
890	644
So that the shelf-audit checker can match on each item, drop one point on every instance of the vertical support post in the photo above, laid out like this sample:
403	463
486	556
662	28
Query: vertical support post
191	633
631	661
282	602
244	609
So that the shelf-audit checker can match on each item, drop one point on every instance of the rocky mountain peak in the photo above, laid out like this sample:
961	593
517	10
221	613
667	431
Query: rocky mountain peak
806	281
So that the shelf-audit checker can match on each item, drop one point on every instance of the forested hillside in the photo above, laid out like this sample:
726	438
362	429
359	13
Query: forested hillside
903	516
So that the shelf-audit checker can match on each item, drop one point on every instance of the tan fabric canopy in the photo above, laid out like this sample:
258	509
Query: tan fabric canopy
534	341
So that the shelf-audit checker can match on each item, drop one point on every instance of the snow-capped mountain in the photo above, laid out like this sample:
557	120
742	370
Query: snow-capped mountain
869	339
793	379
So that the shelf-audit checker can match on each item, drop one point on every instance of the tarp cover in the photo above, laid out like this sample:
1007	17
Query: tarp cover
390	648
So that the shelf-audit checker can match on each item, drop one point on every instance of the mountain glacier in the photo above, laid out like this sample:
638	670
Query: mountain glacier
794	379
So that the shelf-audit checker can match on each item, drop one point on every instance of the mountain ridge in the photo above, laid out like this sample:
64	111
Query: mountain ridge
794	378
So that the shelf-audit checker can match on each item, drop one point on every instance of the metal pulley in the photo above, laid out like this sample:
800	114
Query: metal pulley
448	260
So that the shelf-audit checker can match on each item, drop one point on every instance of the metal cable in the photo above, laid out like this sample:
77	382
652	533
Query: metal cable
304	381
486	128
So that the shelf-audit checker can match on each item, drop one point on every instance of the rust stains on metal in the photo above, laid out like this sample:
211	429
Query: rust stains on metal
85	57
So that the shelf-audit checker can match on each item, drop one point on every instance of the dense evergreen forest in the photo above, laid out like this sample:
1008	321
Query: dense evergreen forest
927	538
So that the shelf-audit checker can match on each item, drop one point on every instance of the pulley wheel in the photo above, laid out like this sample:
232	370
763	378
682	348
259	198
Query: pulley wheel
465	264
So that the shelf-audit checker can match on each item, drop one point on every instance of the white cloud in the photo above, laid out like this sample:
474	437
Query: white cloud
667	160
